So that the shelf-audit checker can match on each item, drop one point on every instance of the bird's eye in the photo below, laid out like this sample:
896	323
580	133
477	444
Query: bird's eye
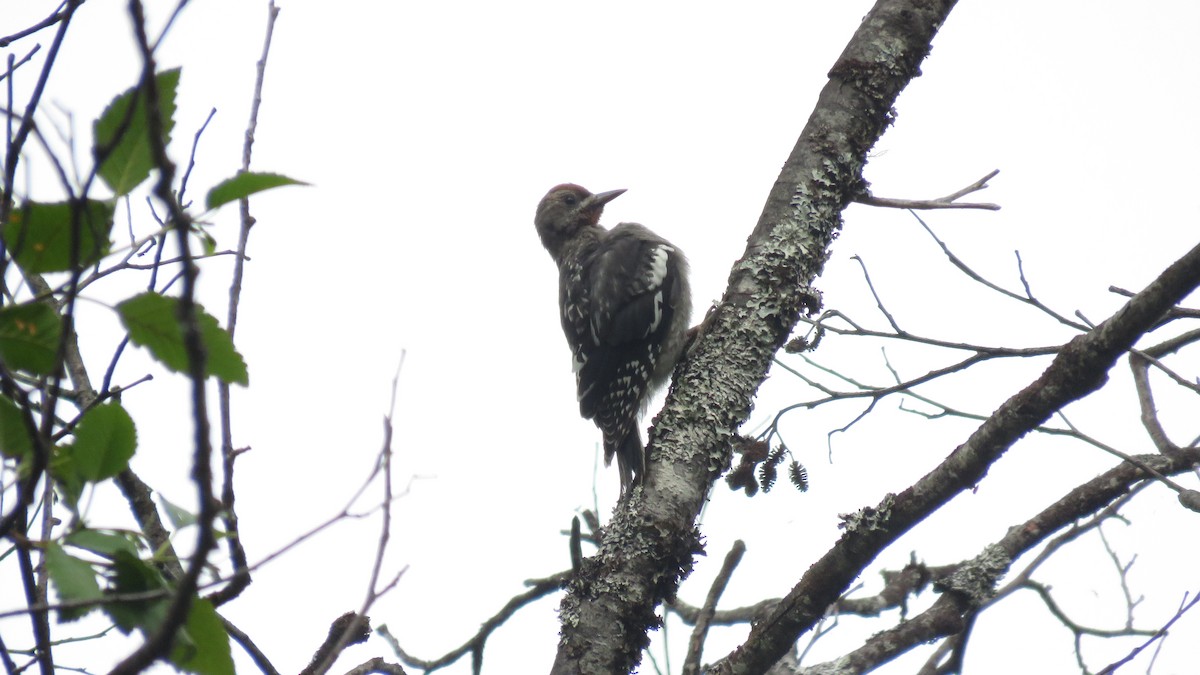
570	199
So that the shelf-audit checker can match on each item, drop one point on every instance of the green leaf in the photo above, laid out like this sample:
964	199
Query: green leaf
107	544
153	322
14	436
208	242
203	645
130	159
179	516
244	185
66	475
29	335
105	440
40	235
131	574
73	579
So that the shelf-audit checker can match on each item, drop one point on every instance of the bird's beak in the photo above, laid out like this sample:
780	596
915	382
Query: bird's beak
598	200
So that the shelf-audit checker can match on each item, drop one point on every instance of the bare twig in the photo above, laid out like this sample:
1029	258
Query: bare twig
358	624
855	330
539	588
950	201
1160	633
237	553
1078	629
141	502
63	13
10	666
260	659
878	302
1123	576
1028	298
40	619
980	353
1076	433
187	173
691	664
1140	366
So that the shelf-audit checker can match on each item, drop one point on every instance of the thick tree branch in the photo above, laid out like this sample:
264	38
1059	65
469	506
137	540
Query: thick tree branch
1080	368
947	615
649	546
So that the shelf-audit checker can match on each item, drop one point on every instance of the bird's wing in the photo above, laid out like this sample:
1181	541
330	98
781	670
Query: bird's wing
632	288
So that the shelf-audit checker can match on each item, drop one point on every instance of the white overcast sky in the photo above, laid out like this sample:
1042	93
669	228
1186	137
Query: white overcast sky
429	131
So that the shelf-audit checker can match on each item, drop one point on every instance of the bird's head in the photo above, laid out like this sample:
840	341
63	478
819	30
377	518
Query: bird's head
565	210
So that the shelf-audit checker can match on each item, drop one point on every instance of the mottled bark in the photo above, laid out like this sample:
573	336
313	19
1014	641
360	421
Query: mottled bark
649	545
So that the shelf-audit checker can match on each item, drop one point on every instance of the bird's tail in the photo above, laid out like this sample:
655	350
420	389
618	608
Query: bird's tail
631	458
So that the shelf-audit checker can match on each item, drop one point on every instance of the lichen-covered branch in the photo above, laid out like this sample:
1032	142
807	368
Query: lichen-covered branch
1080	368
948	614
648	548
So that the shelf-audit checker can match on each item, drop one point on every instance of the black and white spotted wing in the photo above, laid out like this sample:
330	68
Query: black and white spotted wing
617	307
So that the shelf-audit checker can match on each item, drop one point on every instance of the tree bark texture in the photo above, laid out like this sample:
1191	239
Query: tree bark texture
648	547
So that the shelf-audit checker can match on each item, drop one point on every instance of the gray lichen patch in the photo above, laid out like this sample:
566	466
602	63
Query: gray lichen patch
977	578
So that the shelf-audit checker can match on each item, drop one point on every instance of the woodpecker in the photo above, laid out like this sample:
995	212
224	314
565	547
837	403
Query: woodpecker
625	304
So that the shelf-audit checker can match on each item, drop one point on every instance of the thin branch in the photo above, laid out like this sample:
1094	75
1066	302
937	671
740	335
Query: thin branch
39	618
539	588
140	498
1076	433
158	641
950	201
15	142
878	302
1027	299
10	666
359	623
691	665
858	331
1160	633
187	173
875	392
260	659
63	13
1043	592
237	554
170	564
1122	576
1140	365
